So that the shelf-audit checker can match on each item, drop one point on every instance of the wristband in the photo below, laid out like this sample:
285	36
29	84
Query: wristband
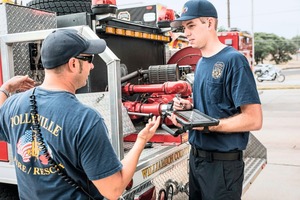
5	92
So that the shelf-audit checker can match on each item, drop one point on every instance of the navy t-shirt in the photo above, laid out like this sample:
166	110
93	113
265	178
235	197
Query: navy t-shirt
75	135
223	83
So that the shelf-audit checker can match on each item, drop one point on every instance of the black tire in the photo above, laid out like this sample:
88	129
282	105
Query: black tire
62	7
8	192
259	80
257	73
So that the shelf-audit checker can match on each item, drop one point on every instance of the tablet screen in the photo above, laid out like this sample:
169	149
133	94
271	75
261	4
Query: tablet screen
195	118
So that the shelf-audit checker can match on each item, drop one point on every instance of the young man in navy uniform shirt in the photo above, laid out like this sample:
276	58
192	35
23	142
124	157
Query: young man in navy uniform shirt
224	88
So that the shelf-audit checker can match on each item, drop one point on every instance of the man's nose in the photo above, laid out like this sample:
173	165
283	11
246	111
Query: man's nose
186	32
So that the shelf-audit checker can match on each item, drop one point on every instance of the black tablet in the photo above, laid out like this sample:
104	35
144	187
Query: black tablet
195	118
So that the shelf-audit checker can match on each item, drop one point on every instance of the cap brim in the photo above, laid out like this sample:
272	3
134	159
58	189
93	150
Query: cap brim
178	22
96	46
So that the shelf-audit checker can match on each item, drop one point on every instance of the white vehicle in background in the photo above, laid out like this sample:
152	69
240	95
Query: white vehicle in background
268	72
261	68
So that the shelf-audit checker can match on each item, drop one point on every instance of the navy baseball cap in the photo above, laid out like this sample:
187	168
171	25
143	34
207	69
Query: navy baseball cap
63	44
193	9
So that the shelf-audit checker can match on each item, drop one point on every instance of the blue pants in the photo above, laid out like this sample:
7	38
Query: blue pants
215	180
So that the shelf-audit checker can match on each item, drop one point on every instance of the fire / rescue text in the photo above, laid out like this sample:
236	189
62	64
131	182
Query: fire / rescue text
36	170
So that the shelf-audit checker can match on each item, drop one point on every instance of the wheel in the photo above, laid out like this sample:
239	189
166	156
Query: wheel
62	7
280	77
257	74
8	192
259	80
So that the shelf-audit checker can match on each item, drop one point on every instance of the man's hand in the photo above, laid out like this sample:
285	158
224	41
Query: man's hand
181	104
174	120
150	129
18	83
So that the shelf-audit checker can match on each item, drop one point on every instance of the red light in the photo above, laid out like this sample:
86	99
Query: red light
149	8
98	2
170	15
3	151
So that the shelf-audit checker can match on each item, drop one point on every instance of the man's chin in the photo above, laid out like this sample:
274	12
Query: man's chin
83	85
194	45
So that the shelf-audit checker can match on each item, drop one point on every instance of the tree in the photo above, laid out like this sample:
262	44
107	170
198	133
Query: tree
296	41
222	29
262	47
282	50
279	48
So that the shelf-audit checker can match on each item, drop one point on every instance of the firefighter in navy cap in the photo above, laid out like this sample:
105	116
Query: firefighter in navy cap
224	88
61	147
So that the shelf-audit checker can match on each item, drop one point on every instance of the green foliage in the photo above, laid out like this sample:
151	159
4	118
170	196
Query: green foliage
296	41
279	48
222	29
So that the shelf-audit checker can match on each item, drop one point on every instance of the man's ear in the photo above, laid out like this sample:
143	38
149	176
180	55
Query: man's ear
209	22
72	64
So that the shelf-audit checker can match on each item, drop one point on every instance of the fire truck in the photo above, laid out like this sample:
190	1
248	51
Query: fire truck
240	40
133	79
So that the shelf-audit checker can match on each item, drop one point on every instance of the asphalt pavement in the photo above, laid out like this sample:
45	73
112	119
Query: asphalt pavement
280	134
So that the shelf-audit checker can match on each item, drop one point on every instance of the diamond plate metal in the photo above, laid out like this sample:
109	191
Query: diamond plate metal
177	170
255	148
22	62
16	19
100	102
255	158
179	173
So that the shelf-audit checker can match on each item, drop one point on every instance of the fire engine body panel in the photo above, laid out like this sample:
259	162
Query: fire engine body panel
133	52
241	41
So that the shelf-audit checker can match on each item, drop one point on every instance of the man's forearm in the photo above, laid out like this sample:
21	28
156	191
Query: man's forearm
249	119
130	161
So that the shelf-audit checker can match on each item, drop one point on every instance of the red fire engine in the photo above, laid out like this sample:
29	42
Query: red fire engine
242	41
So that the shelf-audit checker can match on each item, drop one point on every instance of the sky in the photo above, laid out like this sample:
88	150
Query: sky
270	16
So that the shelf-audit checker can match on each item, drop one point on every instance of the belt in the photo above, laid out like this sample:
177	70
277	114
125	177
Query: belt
211	156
